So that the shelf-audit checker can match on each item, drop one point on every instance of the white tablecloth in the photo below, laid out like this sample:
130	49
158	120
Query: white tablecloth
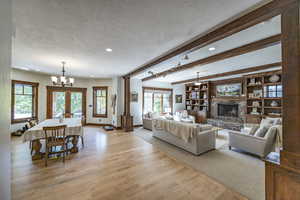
74	127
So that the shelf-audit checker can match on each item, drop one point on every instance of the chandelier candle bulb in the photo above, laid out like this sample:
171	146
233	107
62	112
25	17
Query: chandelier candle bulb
71	80
54	79
63	79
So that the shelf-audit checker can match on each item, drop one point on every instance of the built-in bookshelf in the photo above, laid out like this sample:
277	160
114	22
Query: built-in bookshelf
264	94
197	97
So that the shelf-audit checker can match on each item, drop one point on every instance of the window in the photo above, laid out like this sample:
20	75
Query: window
273	91
24	101
100	101
158	100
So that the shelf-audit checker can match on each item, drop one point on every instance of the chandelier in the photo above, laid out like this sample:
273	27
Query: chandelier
62	80
198	79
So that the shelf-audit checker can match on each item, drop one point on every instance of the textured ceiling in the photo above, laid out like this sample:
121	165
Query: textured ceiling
79	31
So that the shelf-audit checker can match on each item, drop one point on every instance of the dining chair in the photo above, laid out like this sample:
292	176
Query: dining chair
31	123
55	136
82	124
68	115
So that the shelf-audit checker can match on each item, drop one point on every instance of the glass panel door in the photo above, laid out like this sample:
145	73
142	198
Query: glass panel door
66	102
76	104
59	104
157	103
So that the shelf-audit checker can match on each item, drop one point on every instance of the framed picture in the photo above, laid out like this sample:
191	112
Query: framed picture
178	98
229	90
134	97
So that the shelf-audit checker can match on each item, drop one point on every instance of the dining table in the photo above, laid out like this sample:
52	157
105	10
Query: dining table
36	134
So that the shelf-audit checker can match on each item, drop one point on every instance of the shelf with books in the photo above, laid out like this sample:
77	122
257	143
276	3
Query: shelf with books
197	97
263	94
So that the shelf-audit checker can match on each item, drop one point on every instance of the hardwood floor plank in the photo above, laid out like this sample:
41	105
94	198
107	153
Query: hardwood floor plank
112	166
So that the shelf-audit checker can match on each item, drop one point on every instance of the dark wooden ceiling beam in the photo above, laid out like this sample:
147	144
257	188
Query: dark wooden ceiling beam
252	18
236	72
254	46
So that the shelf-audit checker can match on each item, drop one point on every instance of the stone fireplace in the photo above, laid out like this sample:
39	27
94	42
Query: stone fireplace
228	110
228	113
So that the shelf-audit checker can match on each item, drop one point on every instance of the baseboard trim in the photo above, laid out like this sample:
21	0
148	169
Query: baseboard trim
137	126
117	128
95	124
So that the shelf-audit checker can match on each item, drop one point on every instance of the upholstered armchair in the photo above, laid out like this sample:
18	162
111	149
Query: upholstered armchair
260	146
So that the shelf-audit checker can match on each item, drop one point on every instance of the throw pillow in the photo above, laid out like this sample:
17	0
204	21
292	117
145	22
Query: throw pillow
266	122
253	130
177	118
276	121
246	130
169	117
261	131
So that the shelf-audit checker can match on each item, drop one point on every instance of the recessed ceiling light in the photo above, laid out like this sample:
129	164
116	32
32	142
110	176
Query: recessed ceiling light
25	68
212	48
92	76
38	70
108	50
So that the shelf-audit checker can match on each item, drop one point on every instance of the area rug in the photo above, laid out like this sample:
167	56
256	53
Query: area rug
237	170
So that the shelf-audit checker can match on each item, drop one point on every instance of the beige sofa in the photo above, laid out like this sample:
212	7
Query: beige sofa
147	119
204	140
147	123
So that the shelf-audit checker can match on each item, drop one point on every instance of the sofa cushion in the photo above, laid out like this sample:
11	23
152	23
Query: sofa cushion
204	127
261	131
186	120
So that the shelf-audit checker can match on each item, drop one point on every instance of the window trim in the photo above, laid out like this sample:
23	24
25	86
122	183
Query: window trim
95	101
158	89
35	96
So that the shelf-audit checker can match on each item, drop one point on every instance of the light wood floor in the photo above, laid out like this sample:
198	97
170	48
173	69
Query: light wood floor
115	166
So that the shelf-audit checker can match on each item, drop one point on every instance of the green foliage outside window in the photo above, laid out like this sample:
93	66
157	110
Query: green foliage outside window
23	101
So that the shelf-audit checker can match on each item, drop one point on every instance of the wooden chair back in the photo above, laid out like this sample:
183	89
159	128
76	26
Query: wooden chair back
82	120
68	115
55	132
55	136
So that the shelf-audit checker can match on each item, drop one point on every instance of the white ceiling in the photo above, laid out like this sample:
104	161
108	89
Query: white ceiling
260	57
79	31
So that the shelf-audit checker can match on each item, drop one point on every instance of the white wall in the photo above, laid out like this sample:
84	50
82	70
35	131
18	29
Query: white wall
115	86
44	80
136	107
117	89
5	57
136	85
179	90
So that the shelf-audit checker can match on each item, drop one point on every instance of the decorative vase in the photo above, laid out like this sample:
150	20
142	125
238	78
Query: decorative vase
274	104
274	78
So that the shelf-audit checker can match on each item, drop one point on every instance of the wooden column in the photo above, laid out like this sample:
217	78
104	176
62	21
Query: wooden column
127	119
283	177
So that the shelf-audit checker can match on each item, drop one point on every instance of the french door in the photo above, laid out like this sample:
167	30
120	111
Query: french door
67	102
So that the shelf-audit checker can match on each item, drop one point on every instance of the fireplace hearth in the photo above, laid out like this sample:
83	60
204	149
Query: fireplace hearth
228	110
